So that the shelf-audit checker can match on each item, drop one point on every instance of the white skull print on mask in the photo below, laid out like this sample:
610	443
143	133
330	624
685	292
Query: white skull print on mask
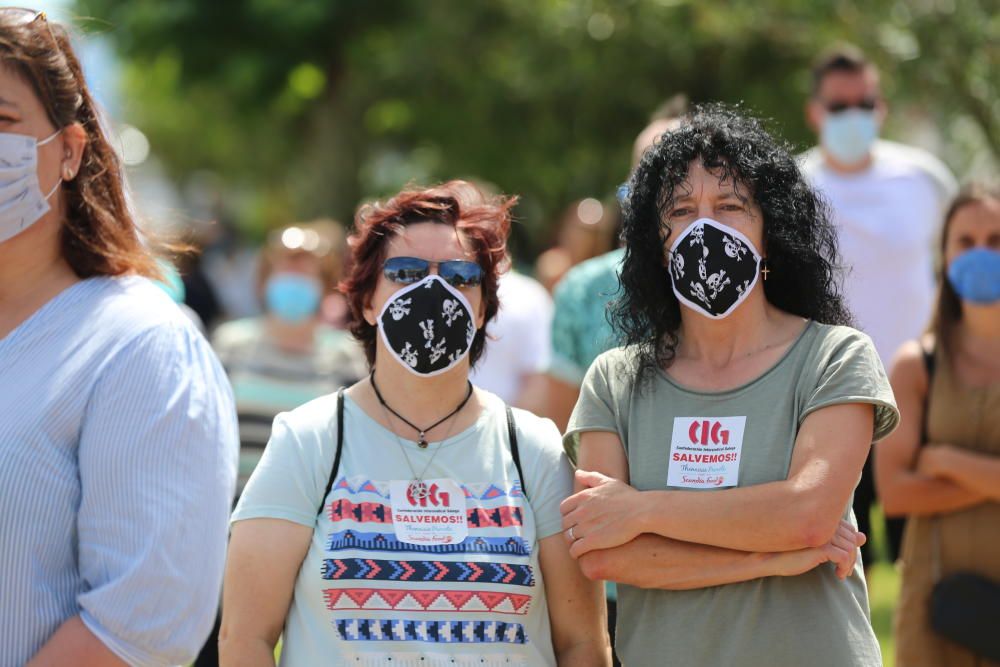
400	309
408	356
716	282
728	267
428	327
734	249
677	266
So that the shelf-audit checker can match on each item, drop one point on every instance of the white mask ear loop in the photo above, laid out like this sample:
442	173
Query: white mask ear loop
54	188
42	143
49	138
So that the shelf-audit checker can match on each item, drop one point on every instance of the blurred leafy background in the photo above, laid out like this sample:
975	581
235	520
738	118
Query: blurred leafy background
263	112
306	108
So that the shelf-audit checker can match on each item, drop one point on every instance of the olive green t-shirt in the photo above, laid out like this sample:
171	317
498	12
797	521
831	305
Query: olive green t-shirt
740	437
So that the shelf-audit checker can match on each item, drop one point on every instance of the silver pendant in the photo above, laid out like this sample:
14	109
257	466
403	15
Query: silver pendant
418	490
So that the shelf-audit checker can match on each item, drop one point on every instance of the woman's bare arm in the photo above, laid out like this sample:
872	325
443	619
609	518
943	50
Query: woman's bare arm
904	488
799	512
577	611
977	473
74	644
264	560
654	561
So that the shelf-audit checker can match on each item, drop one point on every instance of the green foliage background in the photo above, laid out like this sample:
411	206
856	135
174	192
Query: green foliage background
305	108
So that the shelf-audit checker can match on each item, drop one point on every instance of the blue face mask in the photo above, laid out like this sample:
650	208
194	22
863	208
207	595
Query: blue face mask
975	275
848	135
292	297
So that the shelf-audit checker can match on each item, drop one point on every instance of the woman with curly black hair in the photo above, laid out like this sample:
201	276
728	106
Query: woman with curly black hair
739	378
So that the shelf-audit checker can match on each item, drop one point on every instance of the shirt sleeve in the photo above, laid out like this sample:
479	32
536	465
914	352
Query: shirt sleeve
594	410
564	363
288	482
852	373
536	355
157	461
548	473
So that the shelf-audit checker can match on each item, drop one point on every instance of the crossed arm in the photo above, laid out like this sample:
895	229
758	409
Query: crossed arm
935	478
678	539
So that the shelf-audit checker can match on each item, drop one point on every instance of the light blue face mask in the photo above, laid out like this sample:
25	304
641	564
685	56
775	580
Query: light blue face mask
975	275
292	297
848	135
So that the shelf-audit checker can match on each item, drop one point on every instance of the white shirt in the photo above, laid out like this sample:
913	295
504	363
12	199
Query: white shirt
888	219
520	343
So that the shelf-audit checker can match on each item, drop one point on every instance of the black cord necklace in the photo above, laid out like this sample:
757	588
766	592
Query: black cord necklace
421	432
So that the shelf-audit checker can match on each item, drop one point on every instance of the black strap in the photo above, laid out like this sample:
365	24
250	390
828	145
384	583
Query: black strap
929	363
340	448
514	453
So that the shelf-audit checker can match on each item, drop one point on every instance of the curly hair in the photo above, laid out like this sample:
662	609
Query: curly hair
483	222
800	239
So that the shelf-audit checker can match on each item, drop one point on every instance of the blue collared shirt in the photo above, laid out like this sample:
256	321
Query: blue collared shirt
118	446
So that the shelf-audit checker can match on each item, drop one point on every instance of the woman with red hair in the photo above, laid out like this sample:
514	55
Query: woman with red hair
413	519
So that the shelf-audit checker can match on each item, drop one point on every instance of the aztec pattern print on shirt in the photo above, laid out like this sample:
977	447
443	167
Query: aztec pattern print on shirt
434	601
449	632
380	589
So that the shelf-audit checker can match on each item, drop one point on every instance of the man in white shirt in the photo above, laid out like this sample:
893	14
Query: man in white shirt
518	350
887	201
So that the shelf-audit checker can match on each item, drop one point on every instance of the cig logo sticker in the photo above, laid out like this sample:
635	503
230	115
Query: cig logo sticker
709	430
705	452
431	512
435	497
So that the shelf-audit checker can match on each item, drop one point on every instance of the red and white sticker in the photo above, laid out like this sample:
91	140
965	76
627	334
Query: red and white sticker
705	452
428	512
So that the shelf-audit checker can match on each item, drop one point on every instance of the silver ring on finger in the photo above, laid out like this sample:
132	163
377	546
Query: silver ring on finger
569	532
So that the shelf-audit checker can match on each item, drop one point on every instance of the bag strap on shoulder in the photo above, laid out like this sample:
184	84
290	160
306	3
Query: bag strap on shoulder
930	361
514	453
338	451
511	435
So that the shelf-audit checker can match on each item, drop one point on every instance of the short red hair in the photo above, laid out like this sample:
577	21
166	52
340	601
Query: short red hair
483	222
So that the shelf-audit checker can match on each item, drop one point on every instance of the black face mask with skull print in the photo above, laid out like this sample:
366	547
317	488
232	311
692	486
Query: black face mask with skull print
713	267
428	326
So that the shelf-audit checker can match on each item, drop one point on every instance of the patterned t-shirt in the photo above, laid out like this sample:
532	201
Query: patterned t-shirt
365	597
268	380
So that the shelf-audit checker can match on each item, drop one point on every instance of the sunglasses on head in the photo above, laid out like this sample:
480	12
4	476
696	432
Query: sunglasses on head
22	16
455	272
867	104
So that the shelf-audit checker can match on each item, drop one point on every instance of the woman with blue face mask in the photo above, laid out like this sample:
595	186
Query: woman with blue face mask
941	468
117	428
719	447
291	354
296	351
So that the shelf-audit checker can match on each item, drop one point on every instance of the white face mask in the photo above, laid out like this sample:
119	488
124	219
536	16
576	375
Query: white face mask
21	200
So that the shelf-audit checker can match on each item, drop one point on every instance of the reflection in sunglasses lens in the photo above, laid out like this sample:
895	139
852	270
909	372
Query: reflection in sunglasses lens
408	270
